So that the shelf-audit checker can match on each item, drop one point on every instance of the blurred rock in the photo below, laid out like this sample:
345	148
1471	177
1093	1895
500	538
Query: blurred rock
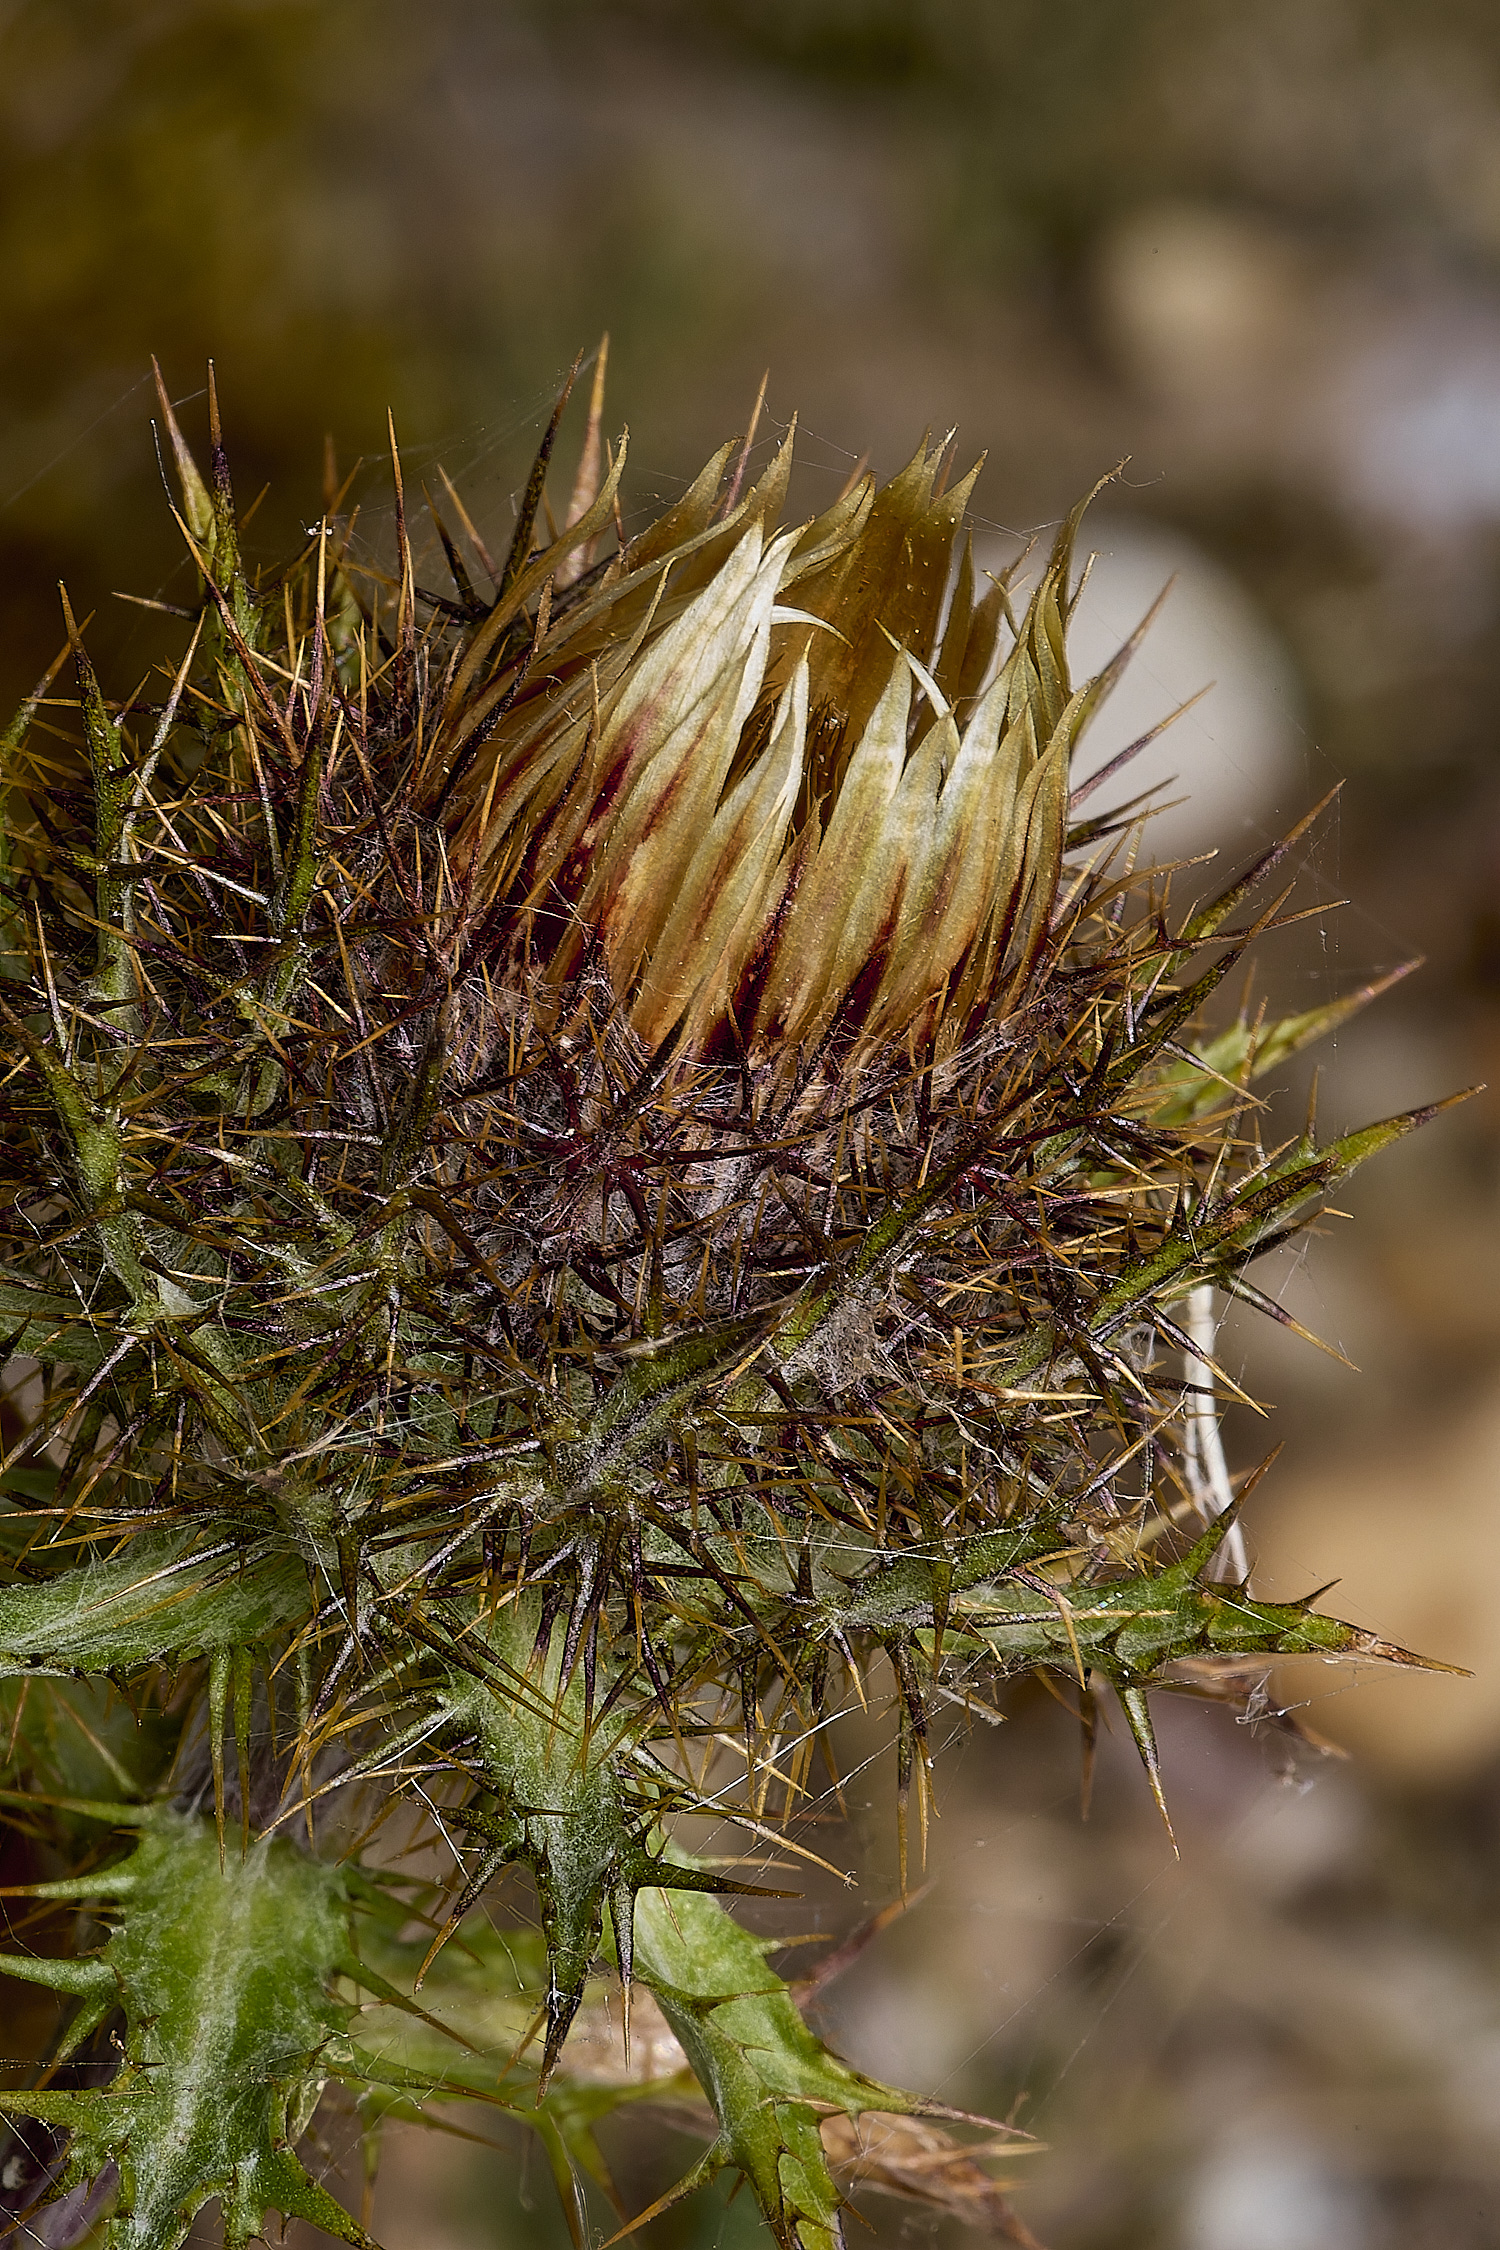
1370	379
1275	2190
1409	1529
1205	306
1232	761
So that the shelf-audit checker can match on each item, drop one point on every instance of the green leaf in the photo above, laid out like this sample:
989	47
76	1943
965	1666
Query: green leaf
1131	1629
768	2077
157	1599
223	1974
561	1797
1196	1084
1211	1243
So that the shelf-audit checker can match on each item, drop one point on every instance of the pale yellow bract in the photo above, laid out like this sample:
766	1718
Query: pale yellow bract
792	780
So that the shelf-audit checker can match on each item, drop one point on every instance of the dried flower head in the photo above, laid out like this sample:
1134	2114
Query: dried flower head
594	1164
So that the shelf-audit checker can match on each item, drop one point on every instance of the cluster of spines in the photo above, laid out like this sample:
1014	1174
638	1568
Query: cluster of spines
412	1294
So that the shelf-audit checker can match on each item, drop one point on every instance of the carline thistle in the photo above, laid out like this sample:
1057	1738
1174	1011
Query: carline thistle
596	1165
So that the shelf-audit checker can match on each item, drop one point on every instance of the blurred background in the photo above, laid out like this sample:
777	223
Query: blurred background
1254	254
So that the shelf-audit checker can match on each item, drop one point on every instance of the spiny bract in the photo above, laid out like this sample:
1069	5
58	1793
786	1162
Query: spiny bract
592	1164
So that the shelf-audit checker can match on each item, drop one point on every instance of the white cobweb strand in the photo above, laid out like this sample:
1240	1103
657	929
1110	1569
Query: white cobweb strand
1203	1447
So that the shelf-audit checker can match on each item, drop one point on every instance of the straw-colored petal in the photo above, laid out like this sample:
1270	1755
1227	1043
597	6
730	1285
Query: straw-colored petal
728	876
667	748
842	897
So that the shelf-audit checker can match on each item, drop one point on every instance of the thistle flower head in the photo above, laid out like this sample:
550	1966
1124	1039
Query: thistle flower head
594	1163
781	780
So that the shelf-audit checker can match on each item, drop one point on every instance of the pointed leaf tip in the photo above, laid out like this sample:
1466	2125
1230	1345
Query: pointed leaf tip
1355	1148
1381	1651
1137	1711
197	505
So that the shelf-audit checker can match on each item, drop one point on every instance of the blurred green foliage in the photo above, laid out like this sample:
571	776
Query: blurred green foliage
354	204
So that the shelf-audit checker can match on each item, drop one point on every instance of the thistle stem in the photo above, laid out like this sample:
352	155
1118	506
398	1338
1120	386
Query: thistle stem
1203	1443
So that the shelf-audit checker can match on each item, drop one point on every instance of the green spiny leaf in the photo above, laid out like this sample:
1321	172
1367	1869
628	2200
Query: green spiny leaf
223	1975
163	1597
767	2076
